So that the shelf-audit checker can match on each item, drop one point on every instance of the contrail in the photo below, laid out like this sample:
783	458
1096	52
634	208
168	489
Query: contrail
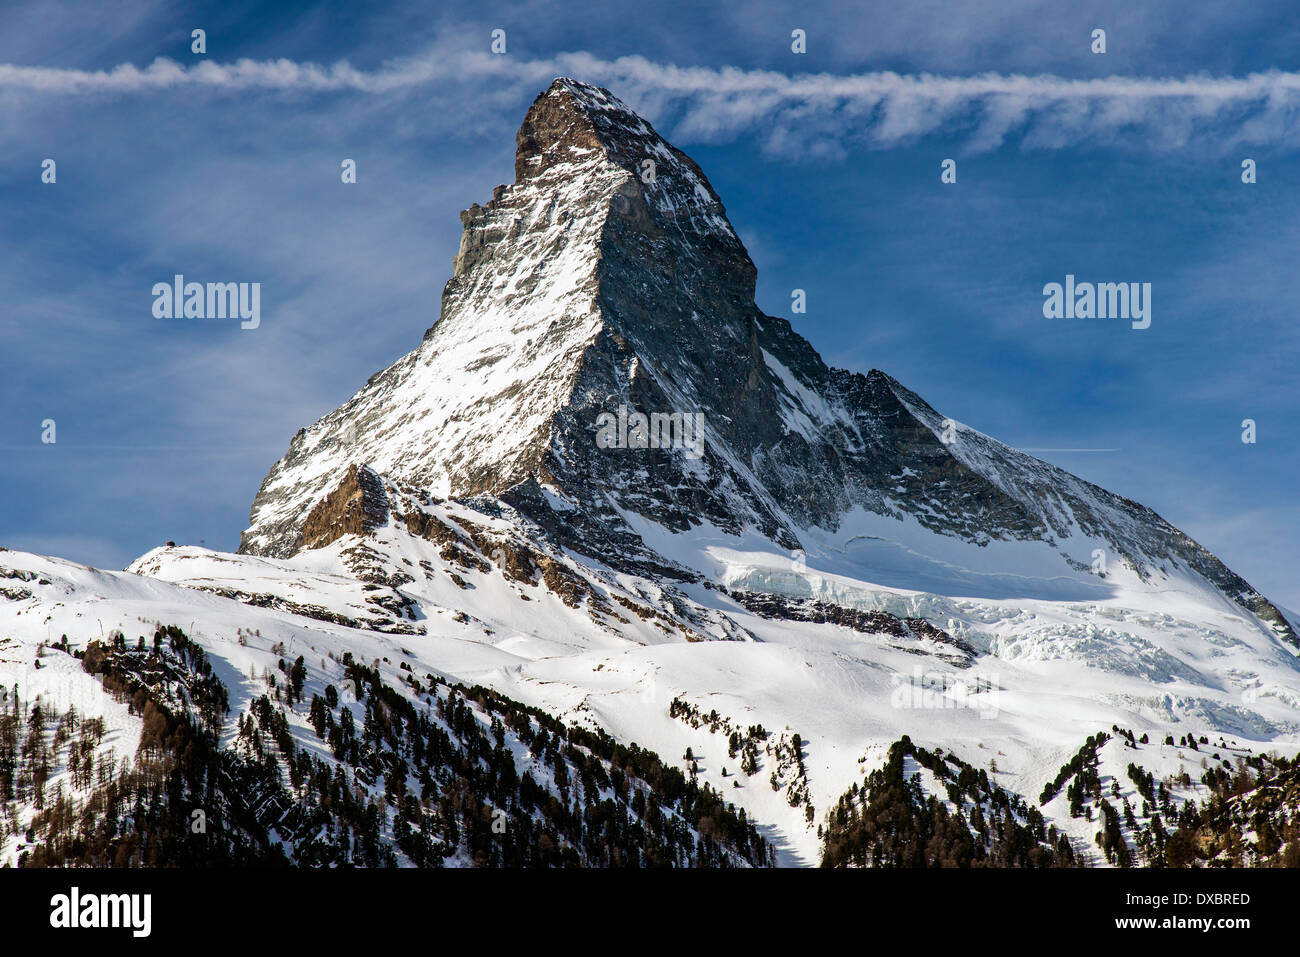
808	111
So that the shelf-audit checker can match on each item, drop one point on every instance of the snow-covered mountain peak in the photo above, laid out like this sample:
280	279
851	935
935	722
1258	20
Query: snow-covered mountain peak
605	285
547	303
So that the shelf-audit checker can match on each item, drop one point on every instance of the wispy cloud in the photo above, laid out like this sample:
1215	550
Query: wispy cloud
816	112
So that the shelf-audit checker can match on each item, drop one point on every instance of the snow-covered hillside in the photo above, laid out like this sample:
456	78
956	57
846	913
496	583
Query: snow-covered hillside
636	658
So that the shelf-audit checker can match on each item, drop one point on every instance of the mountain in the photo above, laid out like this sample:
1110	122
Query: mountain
589	286
614	560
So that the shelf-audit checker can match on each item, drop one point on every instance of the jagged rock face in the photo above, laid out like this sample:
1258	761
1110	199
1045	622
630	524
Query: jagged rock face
470	410
356	507
596	283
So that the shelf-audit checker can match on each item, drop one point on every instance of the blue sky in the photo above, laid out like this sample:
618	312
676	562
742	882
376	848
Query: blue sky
1122	166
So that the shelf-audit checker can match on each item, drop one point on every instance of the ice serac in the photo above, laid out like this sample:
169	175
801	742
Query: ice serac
608	275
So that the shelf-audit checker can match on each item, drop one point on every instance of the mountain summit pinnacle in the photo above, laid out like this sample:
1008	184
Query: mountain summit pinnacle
603	296
574	119
610	257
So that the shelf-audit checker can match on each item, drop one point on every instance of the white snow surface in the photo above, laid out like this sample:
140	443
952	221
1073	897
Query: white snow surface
1166	655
